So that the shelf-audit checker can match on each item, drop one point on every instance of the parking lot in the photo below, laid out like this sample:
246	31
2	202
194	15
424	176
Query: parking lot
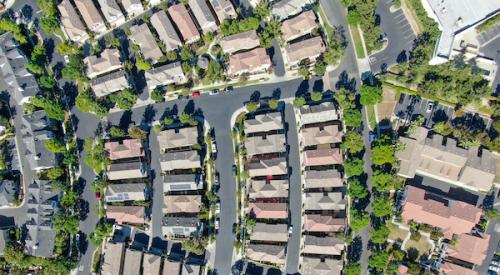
410	106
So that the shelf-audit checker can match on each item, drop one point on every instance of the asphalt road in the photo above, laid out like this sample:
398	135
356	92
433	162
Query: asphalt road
399	34
410	106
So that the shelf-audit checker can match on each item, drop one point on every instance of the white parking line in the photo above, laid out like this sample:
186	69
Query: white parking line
398	15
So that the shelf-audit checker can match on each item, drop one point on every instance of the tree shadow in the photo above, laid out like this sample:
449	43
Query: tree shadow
345	82
303	89
469	121
439	116
277	93
48	44
125	119
402	57
190	107
355	249
158	246
255	96
148	116
318	85
27	12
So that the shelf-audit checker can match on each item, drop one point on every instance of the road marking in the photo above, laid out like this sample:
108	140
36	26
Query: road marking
398	15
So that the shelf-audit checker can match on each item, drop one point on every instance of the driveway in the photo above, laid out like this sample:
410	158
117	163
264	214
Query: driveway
399	34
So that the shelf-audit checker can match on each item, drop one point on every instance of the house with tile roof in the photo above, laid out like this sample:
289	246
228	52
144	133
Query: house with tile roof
133	262
331	246
322	156
329	178
224	9
451	216
268	210
91	16
180	160
72	25
260	189
151	264
184	22
133	215
132	7
142	36
203	15
174	204
265	144
454	269
111	12
246	40
252	62
323	112
124	149
308	49
107	61
181	182
166	31
264	123
266	232
174	227
323	223
171	267
267	167
177	138
114	254
321	266
285	8
126	170
324	201
274	254
107	84
125	192
190	269
318	135
165	75
299	25
469	248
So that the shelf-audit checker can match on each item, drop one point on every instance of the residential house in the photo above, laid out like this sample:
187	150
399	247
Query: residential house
254	3
321	266
171	267
330	178
331	246
151	264
107	61
260	189
264	123
184	23
133	215
164	75
180	160
440	158
267	167
246	40
252	62
321	135
299	25
324	201
36	128
265	232
125	192
126	170
451	216
70	20
181	182
173	204
224	9
142	36
323	112
323	223
20	83
181	227
285	8
114	254
264	210
112	12
132	7
265	144
274	254
191	269
91	16
133	262
166	31
308	49
454	269
469	248
8	191
203	15
124	149
322	156
177	138
110	83
41	201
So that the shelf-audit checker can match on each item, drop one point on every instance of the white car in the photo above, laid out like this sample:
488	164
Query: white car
216	224
217	208
290	230
430	106
214	148
494	268
66	59
214	92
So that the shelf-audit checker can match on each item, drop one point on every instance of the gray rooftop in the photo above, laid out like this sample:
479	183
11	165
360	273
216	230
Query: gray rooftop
35	130
165	30
8	189
110	83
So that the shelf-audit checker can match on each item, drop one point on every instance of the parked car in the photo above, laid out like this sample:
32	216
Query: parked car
290	230
196	94
371	136
216	181
98	195
214	147
234	227
430	106
217	208
214	92
217	224
494	268
234	169
66	59
228	89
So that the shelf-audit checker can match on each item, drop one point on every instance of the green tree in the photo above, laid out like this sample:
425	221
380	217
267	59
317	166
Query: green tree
359	220
316	95
116	132
443	128
252	106
273	104
357	190
55	173
14	254
136	132
299	102
95	157
214	73
49	24
157	95
46	82
304	72
370	95
186	118
67	48
64	221
262	10
383	154
320	67
378	261
382	206
7	24
112	41
86	102
69	199
55	145
101	231
382	181
380	234
186	53
353	167
353	142
352	118
171	56
353	18
53	108
352	269
125	99
70	158
74	69
142	64
168	121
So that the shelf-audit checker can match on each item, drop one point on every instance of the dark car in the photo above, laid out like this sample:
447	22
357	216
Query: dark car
235	226
234	169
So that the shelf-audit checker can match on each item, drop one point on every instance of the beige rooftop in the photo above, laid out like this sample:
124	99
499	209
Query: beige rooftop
90	15
123	149
469	248
132	263
113	258
321	266
165	75
270	232
71	22
265	144
184	22
126	170
321	135
324	201
241	41
323	112
180	160
108	61
165	30
323	245
323	179
143	37
267	167
224	9
449	163
274	254
178	138
109	83
269	210
323	223
264	123
126	214
299	25
306	49
253	61
181	204
268	189
322	156
151	264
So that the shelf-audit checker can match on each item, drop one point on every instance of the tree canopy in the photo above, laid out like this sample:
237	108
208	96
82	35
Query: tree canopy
370	95
353	142
382	206
353	167
357	190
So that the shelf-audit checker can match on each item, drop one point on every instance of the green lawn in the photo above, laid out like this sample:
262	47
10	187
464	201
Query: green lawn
371	116
358	45
328	28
